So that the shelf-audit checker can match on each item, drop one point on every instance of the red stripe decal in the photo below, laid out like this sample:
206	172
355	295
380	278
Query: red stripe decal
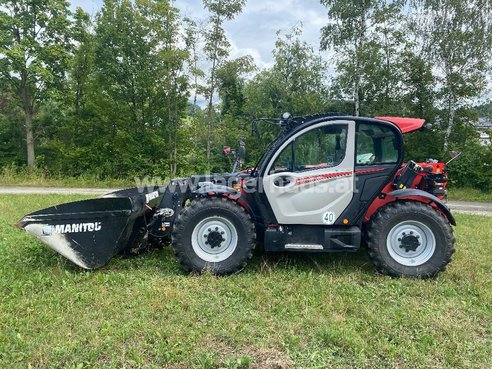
321	177
367	171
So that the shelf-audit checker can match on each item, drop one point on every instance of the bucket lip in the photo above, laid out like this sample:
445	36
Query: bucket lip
40	218
132	192
82	210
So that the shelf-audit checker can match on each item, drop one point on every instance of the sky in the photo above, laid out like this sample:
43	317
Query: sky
253	32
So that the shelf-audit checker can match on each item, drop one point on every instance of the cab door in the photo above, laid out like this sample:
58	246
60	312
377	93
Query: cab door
310	180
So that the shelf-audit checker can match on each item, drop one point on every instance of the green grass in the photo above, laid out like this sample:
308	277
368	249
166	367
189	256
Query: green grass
283	311
469	194
13	176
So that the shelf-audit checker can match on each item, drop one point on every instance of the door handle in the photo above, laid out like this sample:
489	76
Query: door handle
283	181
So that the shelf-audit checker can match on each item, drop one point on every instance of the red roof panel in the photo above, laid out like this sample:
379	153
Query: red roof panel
406	125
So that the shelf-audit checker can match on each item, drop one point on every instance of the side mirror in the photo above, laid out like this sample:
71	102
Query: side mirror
226	151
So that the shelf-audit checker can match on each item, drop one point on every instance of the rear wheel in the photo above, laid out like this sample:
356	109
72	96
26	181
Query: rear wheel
213	234
408	238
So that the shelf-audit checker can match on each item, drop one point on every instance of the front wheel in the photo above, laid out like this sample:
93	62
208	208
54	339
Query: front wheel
213	234
408	238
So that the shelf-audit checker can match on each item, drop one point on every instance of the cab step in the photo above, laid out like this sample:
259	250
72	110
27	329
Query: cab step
303	246
312	238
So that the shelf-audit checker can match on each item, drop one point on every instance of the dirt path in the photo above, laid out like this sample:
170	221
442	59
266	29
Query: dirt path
466	207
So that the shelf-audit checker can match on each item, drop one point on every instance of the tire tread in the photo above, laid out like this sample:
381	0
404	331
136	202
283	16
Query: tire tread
377	227
204	204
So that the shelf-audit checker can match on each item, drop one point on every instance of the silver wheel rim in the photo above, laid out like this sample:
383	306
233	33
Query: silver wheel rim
411	243
214	239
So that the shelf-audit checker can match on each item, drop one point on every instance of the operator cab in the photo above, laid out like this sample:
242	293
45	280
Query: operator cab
327	169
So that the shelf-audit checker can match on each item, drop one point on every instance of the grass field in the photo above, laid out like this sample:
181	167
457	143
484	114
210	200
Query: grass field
36	177
283	311
469	194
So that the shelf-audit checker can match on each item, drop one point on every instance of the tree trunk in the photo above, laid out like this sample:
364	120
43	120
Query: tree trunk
357	81
356	88
29	139
447	135
27	105
356	98
195	87
172	135
175	164
209	113
215	62
209	134
388	66
195	81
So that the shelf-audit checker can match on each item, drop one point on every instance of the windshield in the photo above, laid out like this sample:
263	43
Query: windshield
269	148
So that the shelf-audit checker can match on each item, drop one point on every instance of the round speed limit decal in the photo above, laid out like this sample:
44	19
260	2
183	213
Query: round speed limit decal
329	217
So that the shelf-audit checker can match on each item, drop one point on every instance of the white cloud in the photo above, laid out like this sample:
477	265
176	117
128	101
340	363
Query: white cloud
253	31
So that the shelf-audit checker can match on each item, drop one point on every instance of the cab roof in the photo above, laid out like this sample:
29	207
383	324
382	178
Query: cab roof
406	125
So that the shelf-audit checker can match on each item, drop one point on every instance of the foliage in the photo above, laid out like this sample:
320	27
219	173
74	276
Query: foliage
35	46
216	50
139	91
365	36
296	83
457	37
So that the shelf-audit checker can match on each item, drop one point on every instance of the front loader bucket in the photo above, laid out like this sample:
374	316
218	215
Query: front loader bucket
90	232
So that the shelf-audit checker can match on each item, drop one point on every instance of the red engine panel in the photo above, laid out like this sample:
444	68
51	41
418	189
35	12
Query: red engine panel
432	178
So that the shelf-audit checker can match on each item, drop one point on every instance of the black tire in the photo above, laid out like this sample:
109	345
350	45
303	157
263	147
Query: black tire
194	217
393	258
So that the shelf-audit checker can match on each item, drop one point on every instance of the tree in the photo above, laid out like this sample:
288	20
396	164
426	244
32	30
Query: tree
175	81
35	44
300	74
82	64
192	39
364	38
296	83
457	37
233	119
231	82
217	50
384	68
139	73
418	98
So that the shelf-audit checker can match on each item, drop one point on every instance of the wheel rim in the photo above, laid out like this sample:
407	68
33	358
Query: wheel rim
214	239
411	243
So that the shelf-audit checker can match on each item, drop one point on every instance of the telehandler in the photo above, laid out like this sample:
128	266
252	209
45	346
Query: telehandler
327	183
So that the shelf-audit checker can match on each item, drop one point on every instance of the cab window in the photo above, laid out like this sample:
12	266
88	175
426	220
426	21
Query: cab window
376	145
322	147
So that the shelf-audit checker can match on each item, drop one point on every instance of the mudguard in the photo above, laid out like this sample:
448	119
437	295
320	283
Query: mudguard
212	189
414	192
208	188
